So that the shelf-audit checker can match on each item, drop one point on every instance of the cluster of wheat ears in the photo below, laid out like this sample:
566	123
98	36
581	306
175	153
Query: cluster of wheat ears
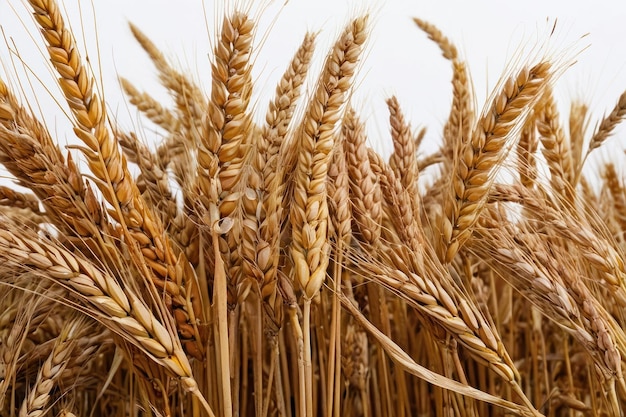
283	268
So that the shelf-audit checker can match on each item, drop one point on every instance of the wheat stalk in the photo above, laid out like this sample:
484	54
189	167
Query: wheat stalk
340	230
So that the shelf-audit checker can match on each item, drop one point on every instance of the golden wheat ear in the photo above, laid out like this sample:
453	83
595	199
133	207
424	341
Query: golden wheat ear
461	118
272	166
616	188
309	208
365	192
11	198
608	124
184	122
190	101
478	159
309	212
149	245
578	122
52	369
151	108
526	152
556	147
31	156
403	160
152	181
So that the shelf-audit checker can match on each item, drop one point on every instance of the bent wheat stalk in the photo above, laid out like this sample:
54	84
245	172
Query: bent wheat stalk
400	357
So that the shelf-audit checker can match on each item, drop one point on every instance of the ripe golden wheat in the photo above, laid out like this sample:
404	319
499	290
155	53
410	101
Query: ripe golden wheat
284	268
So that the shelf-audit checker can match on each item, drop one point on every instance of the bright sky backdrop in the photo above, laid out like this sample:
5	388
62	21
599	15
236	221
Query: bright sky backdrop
400	59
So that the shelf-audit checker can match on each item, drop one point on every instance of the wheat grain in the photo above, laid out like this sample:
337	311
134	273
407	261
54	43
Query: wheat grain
340	231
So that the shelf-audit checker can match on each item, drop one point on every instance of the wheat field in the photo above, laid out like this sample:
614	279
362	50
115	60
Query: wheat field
282	267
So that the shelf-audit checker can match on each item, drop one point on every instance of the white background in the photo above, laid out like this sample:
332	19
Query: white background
400	59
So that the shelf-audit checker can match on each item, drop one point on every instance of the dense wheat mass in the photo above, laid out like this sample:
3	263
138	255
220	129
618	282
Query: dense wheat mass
284	268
